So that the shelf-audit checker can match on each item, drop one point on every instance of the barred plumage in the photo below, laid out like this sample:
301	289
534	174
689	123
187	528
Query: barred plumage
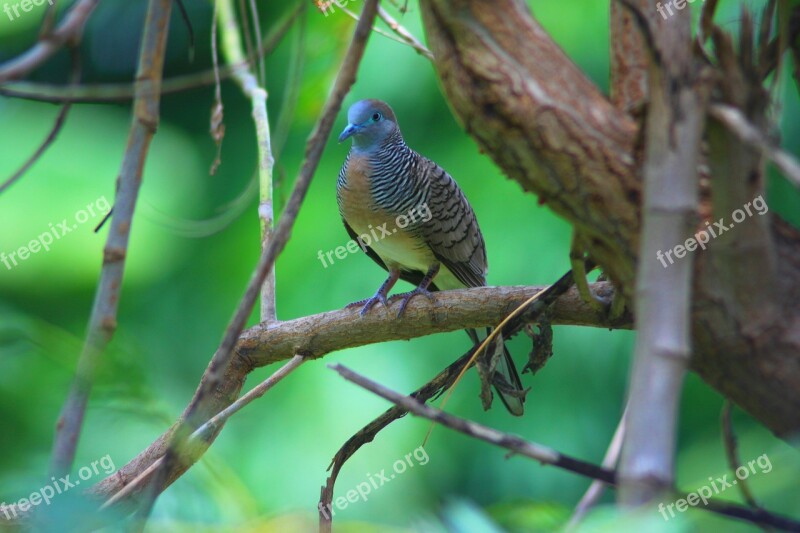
382	182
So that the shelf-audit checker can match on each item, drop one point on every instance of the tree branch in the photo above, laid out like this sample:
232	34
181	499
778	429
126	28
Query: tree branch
678	100
541	453
551	130
103	320
110	92
317	335
70	27
234	55
215	376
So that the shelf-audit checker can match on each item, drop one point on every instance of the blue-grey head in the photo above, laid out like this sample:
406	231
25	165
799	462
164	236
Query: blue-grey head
370	123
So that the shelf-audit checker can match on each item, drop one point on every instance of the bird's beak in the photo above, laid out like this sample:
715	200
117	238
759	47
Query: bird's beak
348	132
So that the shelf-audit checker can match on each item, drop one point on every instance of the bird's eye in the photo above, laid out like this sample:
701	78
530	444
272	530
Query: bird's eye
376	117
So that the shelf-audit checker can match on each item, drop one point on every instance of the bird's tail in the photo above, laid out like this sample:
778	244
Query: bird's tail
505	378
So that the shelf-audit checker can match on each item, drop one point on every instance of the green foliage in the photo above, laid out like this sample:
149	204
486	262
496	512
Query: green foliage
265	470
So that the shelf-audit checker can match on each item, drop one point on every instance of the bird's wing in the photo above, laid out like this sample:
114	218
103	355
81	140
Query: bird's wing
452	232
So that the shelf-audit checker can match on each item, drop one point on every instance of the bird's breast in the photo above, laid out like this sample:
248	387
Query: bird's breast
377	226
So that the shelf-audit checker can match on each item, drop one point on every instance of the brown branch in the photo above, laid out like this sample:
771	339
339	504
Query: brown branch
433	389
108	92
318	335
70	28
731	444
206	432
516	444
56	129
541	453
404	34
541	120
215	375
628	57
530	310
103	319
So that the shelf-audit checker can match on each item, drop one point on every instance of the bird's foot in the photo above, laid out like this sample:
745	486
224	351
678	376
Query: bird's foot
406	297
369	303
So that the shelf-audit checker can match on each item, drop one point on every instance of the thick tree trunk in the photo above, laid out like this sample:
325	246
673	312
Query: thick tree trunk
550	129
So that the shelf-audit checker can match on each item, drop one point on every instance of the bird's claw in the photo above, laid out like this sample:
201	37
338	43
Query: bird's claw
369	303
406	297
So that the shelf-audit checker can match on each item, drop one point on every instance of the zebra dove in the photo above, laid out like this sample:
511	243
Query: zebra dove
429	235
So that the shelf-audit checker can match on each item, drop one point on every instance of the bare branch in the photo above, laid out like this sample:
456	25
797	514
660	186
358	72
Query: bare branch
516	444
103	320
404	34
541	453
108	92
678	100
317	335
70	27
205	432
732	453
738	124
54	131
595	490
221	361
232	48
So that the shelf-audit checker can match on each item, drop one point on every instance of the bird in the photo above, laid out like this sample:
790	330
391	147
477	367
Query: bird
429	235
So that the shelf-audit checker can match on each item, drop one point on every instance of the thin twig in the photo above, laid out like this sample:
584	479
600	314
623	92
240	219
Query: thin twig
314	148
49	19
738	124
110	92
732	453
404	34
55	130
514	443
526	312
217	119
404	38
541	453
70	27
257	26
103	320
291	91
596	489
204	432
232	48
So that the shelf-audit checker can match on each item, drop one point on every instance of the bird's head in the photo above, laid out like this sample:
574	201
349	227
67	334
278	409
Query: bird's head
370	123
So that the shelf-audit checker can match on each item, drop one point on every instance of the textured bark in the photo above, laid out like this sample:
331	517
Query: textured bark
318	335
628	57
550	129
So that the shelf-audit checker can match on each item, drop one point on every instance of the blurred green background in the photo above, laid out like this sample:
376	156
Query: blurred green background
195	241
